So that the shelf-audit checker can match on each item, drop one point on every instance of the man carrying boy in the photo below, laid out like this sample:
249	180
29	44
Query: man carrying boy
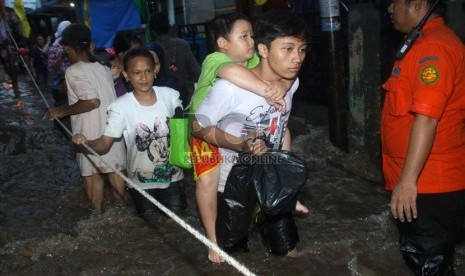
231	117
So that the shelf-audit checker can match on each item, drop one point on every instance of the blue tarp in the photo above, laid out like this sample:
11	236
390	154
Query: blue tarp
109	16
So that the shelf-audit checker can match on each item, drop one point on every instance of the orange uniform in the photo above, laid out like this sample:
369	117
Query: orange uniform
430	80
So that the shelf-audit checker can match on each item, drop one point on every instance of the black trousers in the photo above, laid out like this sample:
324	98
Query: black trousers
172	198
428	242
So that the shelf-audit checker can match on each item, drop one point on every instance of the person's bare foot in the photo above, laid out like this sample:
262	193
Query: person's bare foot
214	257
300	208
293	253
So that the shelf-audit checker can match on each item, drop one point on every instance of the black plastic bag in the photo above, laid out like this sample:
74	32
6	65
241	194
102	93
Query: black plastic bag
277	179
273	180
279	232
235	209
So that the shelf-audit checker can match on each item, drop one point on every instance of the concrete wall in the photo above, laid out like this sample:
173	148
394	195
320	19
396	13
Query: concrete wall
364	93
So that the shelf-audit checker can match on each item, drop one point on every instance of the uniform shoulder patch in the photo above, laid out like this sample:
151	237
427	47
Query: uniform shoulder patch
429	74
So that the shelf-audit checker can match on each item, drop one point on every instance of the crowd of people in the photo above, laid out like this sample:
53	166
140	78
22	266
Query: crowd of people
121	106
240	101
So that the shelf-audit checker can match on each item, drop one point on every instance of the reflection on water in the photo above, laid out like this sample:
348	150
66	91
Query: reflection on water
47	227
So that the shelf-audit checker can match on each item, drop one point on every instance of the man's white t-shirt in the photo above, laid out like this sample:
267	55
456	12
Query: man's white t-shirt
146	133
238	112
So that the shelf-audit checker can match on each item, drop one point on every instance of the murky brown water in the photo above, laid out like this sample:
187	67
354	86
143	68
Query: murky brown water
47	227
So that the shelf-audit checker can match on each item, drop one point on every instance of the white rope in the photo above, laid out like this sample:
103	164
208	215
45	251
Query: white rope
241	268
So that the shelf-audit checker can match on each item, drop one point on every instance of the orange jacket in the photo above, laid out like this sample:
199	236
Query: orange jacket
430	80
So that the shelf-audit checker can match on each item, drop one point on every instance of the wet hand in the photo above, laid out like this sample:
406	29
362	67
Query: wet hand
255	145
403	201
274	95
79	139
280	105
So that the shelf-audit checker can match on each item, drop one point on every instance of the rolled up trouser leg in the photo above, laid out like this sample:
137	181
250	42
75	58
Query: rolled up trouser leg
428	242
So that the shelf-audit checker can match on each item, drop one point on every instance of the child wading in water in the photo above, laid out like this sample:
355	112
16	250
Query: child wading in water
235	53
141	117
90	92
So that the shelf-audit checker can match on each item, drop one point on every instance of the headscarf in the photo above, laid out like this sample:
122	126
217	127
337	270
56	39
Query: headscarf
61	27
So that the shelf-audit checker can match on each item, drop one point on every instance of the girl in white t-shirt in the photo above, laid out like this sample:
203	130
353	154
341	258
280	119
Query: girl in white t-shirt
141	117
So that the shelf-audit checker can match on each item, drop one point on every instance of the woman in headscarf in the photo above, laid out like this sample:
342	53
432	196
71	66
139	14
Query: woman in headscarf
163	78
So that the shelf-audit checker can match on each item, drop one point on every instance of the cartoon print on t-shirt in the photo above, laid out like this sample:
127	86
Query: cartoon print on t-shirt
156	144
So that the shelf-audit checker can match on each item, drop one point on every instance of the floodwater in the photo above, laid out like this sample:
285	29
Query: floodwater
48	228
